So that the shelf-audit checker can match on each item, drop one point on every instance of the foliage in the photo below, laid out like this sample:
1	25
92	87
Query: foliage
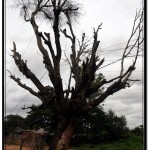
116	125
11	122
133	142
95	128
139	130
40	118
99	126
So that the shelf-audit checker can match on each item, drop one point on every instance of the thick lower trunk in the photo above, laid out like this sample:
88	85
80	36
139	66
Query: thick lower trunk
62	138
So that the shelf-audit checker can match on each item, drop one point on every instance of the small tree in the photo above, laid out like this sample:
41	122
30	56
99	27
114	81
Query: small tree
139	130
73	102
41	117
11	122
116	126
100	126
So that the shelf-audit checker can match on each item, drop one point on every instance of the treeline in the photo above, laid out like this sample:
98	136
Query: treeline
96	127
100	127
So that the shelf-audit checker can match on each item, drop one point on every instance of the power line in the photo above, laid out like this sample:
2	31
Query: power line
25	50
19	102
22	55
119	71
134	89
27	94
39	79
66	64
130	92
43	75
110	50
117	44
11	88
61	65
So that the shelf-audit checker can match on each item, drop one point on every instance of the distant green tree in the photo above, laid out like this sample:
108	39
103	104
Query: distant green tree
11	122
116	126
100	126
97	126
139	130
40	117
92	125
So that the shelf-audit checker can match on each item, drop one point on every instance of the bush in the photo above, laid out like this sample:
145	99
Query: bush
139	131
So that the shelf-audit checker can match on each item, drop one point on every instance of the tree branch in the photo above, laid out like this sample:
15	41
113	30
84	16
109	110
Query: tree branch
48	43
56	33
116	86
66	35
22	66
17	80
54	73
47	62
135	29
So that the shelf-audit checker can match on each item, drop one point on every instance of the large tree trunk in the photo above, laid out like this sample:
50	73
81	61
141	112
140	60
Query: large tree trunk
63	136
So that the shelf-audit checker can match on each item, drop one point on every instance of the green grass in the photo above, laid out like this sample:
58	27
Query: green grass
131	143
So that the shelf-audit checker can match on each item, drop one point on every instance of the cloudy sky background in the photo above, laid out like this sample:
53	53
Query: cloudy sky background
117	18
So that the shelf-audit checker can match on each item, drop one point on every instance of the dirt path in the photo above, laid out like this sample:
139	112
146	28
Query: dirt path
16	147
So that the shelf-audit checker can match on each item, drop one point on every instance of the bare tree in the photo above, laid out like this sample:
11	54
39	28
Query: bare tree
68	104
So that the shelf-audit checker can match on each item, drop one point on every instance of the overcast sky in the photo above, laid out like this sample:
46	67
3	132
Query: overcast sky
117	18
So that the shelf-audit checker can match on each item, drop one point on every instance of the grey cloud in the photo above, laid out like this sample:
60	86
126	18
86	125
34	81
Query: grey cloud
117	25
134	123
13	105
128	96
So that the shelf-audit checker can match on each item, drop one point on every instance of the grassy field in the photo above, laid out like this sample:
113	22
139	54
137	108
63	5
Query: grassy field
131	143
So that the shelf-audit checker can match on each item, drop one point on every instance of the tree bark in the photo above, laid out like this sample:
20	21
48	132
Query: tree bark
62	138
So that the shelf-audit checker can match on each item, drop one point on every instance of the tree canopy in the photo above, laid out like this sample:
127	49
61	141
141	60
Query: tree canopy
12	122
98	126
